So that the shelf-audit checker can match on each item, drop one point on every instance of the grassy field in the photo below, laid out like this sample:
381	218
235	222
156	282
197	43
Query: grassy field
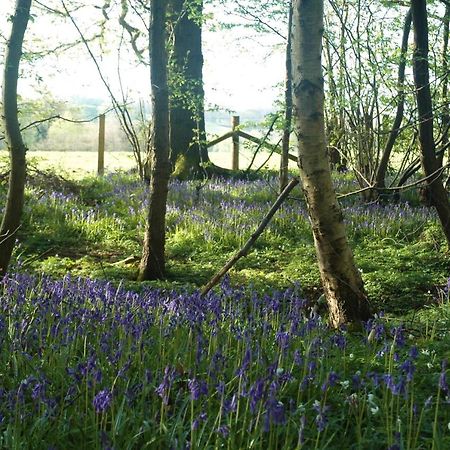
92	359
80	164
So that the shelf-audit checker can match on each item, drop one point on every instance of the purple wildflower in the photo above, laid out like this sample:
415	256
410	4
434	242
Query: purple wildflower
223	430
298	360
408	368
199	419
443	385
414	352
163	389
356	380
197	388
256	394
102	400
339	341
333	378
275	411
38	391
321	418
220	388
399	335
245	363
230	405
283	338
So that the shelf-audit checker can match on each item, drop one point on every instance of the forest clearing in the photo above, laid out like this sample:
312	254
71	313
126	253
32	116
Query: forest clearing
282	282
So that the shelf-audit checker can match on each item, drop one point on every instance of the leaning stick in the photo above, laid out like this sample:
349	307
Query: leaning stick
245	249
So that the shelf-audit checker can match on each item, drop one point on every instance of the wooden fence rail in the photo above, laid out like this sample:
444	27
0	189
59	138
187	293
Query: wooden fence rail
235	134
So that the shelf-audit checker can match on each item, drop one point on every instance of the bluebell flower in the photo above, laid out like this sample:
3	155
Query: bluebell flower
339	341
408	368
102	400
332	379
230	405
199	419
256	394
164	387
223	430
399	335
321	418
298	360
197	388
413	352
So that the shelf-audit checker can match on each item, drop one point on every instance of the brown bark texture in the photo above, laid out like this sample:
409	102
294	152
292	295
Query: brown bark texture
380	177
445	105
152	264
187	114
437	193
17	149
342	283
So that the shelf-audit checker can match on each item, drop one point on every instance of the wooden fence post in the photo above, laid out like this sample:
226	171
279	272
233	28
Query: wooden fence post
101	145
235	159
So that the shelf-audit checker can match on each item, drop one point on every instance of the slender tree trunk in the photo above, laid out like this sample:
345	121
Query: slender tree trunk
380	178
445	105
187	114
341	280
152	264
284	160
430	165
17	149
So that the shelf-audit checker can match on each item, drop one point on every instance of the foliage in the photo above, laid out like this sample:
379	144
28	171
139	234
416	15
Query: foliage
92	364
87	364
399	247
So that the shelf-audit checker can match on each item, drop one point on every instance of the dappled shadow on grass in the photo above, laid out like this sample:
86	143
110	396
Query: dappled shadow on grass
91	234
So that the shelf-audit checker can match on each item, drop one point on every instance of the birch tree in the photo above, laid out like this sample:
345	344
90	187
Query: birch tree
342	283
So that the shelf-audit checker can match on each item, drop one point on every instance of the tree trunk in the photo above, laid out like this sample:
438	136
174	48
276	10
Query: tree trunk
17	149
380	178
341	280
152	264
437	194
445	106
187	114
284	160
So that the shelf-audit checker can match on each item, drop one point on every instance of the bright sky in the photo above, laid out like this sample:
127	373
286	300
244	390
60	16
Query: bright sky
240	72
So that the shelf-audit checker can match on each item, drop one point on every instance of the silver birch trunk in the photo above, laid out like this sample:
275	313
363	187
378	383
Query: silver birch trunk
342	283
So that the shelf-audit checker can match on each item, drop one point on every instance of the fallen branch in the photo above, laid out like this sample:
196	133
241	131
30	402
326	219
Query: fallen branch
248	245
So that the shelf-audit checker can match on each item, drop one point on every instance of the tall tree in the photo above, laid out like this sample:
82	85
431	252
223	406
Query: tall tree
152	264
445	106
284	160
17	149
381	171
187	114
430	164
341	280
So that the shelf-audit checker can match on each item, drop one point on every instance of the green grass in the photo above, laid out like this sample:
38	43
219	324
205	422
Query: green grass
88	231
246	367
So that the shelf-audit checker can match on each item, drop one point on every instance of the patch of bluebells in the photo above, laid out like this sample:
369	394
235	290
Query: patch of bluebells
231	208
243	367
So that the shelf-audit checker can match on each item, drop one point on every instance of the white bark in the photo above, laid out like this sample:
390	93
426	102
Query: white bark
341	280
